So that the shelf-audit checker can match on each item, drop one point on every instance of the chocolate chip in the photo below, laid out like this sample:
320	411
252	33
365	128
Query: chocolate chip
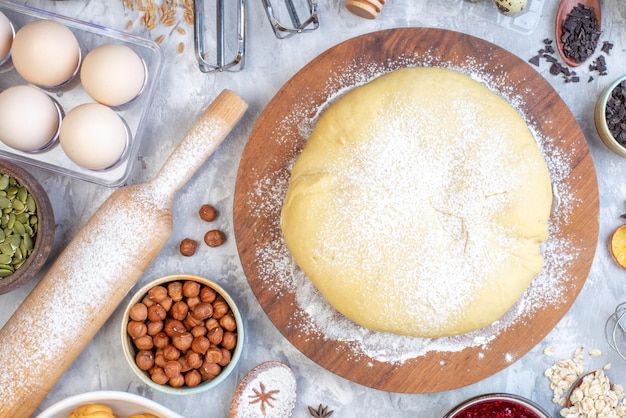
580	33
535	60
616	113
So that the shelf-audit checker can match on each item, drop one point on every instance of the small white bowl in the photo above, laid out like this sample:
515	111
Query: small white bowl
123	404
600	120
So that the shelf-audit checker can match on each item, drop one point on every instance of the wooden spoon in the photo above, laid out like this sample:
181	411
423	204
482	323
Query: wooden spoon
565	7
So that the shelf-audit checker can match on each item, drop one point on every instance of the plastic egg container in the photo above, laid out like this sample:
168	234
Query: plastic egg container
74	96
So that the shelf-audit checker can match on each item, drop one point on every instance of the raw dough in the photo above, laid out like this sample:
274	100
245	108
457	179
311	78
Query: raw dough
419	204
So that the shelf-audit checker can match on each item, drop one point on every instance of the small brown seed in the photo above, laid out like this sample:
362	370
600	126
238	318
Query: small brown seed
188	247
214	238
138	312
207	213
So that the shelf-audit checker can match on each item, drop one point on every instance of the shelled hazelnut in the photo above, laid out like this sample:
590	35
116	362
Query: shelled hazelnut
184	333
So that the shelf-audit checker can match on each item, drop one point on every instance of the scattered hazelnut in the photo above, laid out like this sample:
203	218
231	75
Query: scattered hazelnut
139	312
193	378
188	247
175	291
214	238
144	360
207	213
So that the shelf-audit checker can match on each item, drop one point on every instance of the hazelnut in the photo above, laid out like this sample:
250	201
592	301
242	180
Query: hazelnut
144	342
172	368
194	360
199	331
188	247
207	294
226	357
167	303
136	329
159	358
175	291
173	327
202	311
144	360
215	335
200	345
220	308
138	312
193	301
155	327
171	353
177	381
156	313
207	213
160	340
211	323
182	341
179	310
193	378
229	340
157	293
158	376
210	370
147	301
191	289
213	354
228	322
214	238
184	365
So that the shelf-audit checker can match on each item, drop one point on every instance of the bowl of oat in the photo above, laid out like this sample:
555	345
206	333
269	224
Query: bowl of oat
182	334
610	116
496	405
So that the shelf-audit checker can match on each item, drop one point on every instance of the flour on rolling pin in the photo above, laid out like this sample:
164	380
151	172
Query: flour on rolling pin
98	268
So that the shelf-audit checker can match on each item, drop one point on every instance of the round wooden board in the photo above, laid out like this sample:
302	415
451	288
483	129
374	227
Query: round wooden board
280	134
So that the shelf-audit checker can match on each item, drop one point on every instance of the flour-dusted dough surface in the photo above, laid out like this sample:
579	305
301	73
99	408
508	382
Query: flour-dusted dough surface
419	204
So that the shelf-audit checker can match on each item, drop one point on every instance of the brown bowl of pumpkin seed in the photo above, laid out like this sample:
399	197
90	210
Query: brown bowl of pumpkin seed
26	226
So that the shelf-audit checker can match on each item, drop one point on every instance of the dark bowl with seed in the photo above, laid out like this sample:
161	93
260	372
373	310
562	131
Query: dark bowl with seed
610	116
26	226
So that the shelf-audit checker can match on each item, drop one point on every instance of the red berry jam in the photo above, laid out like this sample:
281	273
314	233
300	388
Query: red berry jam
496	408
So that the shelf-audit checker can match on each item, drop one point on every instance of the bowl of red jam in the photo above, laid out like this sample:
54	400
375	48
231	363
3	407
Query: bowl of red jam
497	405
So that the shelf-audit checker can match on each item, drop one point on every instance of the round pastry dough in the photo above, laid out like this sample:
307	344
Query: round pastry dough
419	204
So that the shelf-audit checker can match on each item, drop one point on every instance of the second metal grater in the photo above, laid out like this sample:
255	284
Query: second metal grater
302	17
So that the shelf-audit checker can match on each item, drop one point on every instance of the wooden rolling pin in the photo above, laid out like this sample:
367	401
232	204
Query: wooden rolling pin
368	9
91	277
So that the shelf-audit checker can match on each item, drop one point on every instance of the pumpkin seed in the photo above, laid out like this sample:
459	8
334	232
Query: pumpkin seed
5	273
4	182
6	248
5	259
5	203
30	204
18	206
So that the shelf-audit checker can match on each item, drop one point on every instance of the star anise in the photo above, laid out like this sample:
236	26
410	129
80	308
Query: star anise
263	397
320	412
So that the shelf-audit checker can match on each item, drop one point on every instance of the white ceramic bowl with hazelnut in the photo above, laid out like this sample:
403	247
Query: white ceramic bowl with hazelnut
123	405
182	334
600	119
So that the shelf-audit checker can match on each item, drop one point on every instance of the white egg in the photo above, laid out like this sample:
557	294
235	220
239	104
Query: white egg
510	7
6	37
113	74
93	136
29	118
45	53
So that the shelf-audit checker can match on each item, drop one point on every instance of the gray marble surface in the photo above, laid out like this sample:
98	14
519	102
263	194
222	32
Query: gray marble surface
183	92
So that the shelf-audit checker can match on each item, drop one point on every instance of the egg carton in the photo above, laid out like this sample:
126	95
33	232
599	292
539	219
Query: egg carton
134	114
524	22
